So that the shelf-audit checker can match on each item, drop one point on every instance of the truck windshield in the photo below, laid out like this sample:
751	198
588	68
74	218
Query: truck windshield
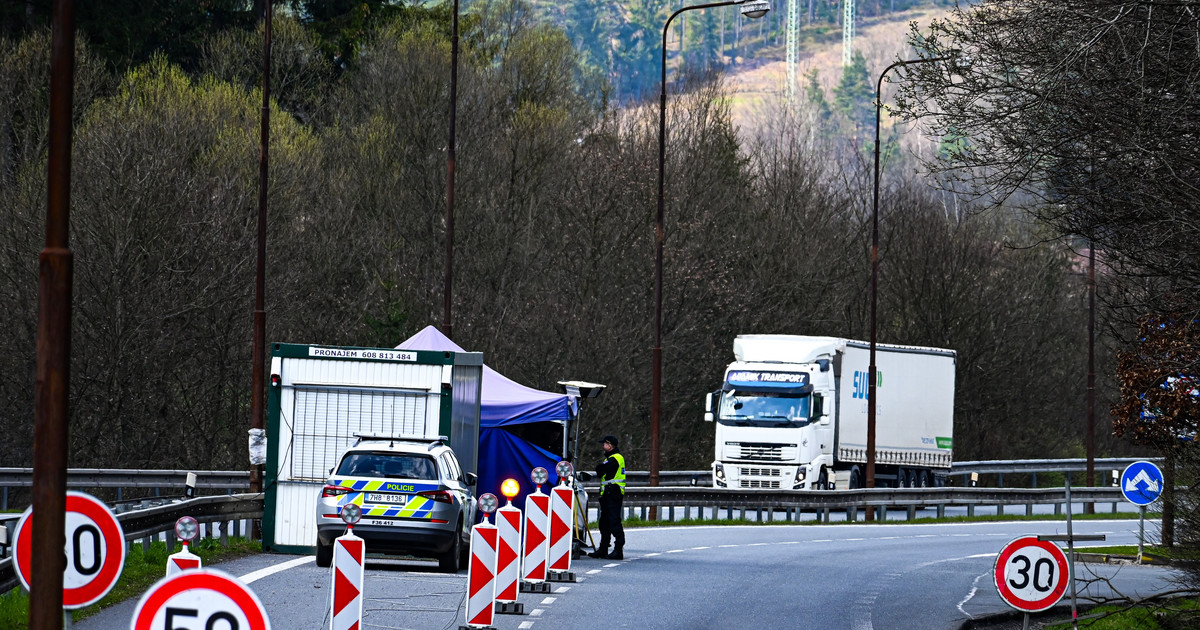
763	409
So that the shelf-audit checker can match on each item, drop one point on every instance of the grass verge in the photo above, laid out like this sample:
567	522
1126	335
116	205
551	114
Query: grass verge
1172	614
142	569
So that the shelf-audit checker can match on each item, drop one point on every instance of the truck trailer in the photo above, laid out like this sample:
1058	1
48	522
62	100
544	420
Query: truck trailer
791	414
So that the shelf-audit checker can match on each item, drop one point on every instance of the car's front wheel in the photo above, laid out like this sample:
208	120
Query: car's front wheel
324	554
449	562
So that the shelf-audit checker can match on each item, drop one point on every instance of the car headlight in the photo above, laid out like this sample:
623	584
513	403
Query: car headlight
719	471
801	473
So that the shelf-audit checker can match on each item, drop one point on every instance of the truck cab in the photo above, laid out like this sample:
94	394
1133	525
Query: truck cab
774	426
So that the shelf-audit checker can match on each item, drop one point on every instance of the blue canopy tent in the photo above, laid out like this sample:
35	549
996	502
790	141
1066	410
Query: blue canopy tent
511	414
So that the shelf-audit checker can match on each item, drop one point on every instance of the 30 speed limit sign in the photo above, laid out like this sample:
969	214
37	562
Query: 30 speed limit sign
1031	575
95	548
200	599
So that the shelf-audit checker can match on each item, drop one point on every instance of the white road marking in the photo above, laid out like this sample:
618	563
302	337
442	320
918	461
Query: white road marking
254	576
549	600
615	564
562	589
525	625
594	571
536	612
971	594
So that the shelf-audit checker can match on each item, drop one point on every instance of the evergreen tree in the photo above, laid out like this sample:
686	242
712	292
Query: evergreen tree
853	97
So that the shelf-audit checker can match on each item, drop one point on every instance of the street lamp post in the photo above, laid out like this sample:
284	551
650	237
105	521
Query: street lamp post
752	9
874	378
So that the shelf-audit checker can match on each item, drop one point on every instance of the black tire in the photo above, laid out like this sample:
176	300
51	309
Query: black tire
324	555
449	561
856	478
823	480
924	480
464	555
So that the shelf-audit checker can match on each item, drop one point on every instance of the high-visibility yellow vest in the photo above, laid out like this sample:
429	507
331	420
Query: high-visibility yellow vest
619	477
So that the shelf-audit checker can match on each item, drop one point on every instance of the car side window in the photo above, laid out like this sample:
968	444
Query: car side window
453	471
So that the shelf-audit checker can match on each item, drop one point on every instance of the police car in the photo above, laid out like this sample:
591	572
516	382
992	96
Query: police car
415	499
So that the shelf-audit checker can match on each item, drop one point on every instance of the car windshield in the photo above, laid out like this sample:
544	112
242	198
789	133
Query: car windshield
763	409
389	465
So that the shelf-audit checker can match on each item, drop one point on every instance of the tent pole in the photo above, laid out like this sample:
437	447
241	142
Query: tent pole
575	454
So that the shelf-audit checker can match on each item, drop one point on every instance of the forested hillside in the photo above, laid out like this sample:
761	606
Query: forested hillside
766	232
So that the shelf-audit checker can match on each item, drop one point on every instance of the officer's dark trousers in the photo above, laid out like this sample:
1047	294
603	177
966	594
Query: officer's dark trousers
610	518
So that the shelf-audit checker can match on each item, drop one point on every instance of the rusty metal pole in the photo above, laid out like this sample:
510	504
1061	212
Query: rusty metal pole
51	391
448	277
258	379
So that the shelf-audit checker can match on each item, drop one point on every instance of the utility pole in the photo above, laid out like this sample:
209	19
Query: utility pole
847	33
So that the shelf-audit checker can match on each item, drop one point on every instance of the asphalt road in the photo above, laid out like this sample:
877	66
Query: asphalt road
856	577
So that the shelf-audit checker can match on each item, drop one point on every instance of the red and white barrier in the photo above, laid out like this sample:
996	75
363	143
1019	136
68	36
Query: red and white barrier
508	559
182	561
481	576
349	552
535	550
562	517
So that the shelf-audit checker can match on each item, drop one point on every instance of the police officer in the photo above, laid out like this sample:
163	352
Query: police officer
612	494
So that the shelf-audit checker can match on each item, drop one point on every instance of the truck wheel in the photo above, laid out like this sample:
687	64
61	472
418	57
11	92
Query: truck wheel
823	480
856	479
923	480
324	554
448	562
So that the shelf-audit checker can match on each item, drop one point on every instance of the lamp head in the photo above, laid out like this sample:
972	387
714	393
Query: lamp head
755	8
186	529
351	513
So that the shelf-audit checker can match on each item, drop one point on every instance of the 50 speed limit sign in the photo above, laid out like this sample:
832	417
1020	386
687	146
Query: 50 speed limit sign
1031	574
200	599
95	549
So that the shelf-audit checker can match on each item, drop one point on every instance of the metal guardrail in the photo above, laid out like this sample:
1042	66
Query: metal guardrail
959	469
147	523
787	505
121	479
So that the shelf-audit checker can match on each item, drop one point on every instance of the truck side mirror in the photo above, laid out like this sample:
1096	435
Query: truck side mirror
819	409
708	412
472	479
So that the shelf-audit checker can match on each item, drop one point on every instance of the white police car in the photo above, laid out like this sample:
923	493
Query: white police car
414	496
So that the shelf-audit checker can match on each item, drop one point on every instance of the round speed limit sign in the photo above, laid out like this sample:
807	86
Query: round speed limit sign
200	599
1031	575
95	550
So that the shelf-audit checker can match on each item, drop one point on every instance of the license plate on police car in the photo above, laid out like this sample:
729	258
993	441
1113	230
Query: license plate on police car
390	499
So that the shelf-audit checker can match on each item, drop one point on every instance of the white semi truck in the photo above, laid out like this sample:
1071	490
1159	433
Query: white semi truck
791	414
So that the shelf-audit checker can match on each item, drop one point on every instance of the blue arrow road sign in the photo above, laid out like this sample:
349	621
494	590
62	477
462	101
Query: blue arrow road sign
1142	483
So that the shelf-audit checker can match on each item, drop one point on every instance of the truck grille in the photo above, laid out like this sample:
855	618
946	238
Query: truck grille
761	452
761	472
